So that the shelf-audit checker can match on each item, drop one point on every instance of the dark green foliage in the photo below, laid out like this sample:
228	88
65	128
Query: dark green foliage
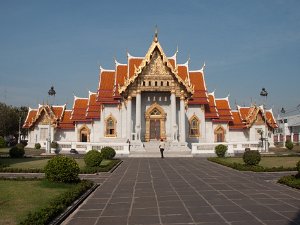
62	169
298	167
37	146
17	151
292	181
108	152
2	142
244	167
113	164
289	145
251	158
57	205
93	158
221	150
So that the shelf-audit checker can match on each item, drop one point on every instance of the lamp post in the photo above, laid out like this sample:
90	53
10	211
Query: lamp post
51	92
264	93
283	129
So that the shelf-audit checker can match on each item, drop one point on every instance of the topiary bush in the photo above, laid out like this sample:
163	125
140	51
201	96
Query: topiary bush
2	142
17	151
289	145
93	158
221	150
62	169
54	144
251	158
108	152
37	146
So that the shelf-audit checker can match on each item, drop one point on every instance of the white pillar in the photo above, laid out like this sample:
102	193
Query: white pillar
138	115
182	120
129	117
173	116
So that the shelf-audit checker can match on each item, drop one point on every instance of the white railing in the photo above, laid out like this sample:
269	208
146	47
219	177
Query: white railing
120	148
233	147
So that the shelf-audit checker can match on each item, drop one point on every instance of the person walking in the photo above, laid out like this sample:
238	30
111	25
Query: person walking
162	147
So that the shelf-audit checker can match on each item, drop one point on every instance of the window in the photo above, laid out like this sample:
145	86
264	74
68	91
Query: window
155	112
219	134
110	127
194	127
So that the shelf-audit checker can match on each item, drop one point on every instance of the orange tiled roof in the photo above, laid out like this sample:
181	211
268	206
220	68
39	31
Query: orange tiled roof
93	107
211	111
270	119
224	110
79	109
66	122
58	111
182	71
200	92
132	63
237	123
121	73
30	117
172	62
106	86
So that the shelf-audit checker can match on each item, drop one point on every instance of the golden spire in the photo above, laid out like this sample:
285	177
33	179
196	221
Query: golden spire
156	34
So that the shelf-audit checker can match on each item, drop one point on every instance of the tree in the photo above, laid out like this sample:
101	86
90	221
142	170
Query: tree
9	122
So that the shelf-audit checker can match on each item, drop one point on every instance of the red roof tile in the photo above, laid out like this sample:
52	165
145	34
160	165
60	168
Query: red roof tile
182	72
211	111
79	109
200	92
93	108
223	110
66	122
30	117
237	123
132	63
106	86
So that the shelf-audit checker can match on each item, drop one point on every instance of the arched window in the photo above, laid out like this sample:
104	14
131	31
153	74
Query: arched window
84	134
194	127
110	127
219	134
161	83
155	83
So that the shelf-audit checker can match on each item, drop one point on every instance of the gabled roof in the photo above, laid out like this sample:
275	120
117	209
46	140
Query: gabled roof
211	111
79	109
30	117
224	110
237	123
200	92
271	119
106	85
66	122
93	107
136	65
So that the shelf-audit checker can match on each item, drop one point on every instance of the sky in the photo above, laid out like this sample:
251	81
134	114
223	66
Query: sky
246	46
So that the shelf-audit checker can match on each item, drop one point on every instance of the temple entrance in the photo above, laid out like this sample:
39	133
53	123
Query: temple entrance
155	118
154	129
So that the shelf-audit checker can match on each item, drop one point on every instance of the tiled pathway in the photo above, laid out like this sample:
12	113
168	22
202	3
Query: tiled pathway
187	191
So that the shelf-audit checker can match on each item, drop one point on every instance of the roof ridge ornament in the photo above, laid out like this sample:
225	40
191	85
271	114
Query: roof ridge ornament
156	35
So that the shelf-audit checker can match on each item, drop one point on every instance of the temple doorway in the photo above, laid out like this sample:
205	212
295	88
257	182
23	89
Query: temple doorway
155	118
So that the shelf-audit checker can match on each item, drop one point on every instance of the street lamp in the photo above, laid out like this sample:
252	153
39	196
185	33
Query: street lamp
264	93
283	129
51	92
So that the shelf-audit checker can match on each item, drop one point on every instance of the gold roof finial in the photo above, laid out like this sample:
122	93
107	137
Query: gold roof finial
156	34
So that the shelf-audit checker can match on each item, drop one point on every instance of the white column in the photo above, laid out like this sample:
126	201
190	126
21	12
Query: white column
182	120
129	117
173	116
138	115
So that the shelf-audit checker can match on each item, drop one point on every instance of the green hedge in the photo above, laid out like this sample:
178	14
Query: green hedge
56	206
257	168
108	152
93	158
221	150
291	181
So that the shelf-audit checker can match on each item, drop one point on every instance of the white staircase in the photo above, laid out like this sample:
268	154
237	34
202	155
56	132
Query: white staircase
151	150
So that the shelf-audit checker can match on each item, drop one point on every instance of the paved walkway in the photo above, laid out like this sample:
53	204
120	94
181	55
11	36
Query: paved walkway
187	191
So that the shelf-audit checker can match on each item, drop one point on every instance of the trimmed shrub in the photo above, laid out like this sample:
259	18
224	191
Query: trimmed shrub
221	150
62	169
251	158
17	151
289	145
93	158
2	142
108	152
54	144
37	146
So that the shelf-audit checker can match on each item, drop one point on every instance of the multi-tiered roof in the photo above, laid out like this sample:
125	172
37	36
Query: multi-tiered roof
114	83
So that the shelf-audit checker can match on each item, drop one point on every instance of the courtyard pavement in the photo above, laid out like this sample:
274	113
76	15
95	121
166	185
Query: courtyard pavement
187	191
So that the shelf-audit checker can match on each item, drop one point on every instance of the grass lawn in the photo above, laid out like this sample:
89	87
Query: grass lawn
17	198
269	162
40	163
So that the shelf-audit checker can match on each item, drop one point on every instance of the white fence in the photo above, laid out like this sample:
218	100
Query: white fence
120	148
233	147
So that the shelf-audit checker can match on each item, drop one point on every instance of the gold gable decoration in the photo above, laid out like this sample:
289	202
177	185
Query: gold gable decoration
45	115
160	66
